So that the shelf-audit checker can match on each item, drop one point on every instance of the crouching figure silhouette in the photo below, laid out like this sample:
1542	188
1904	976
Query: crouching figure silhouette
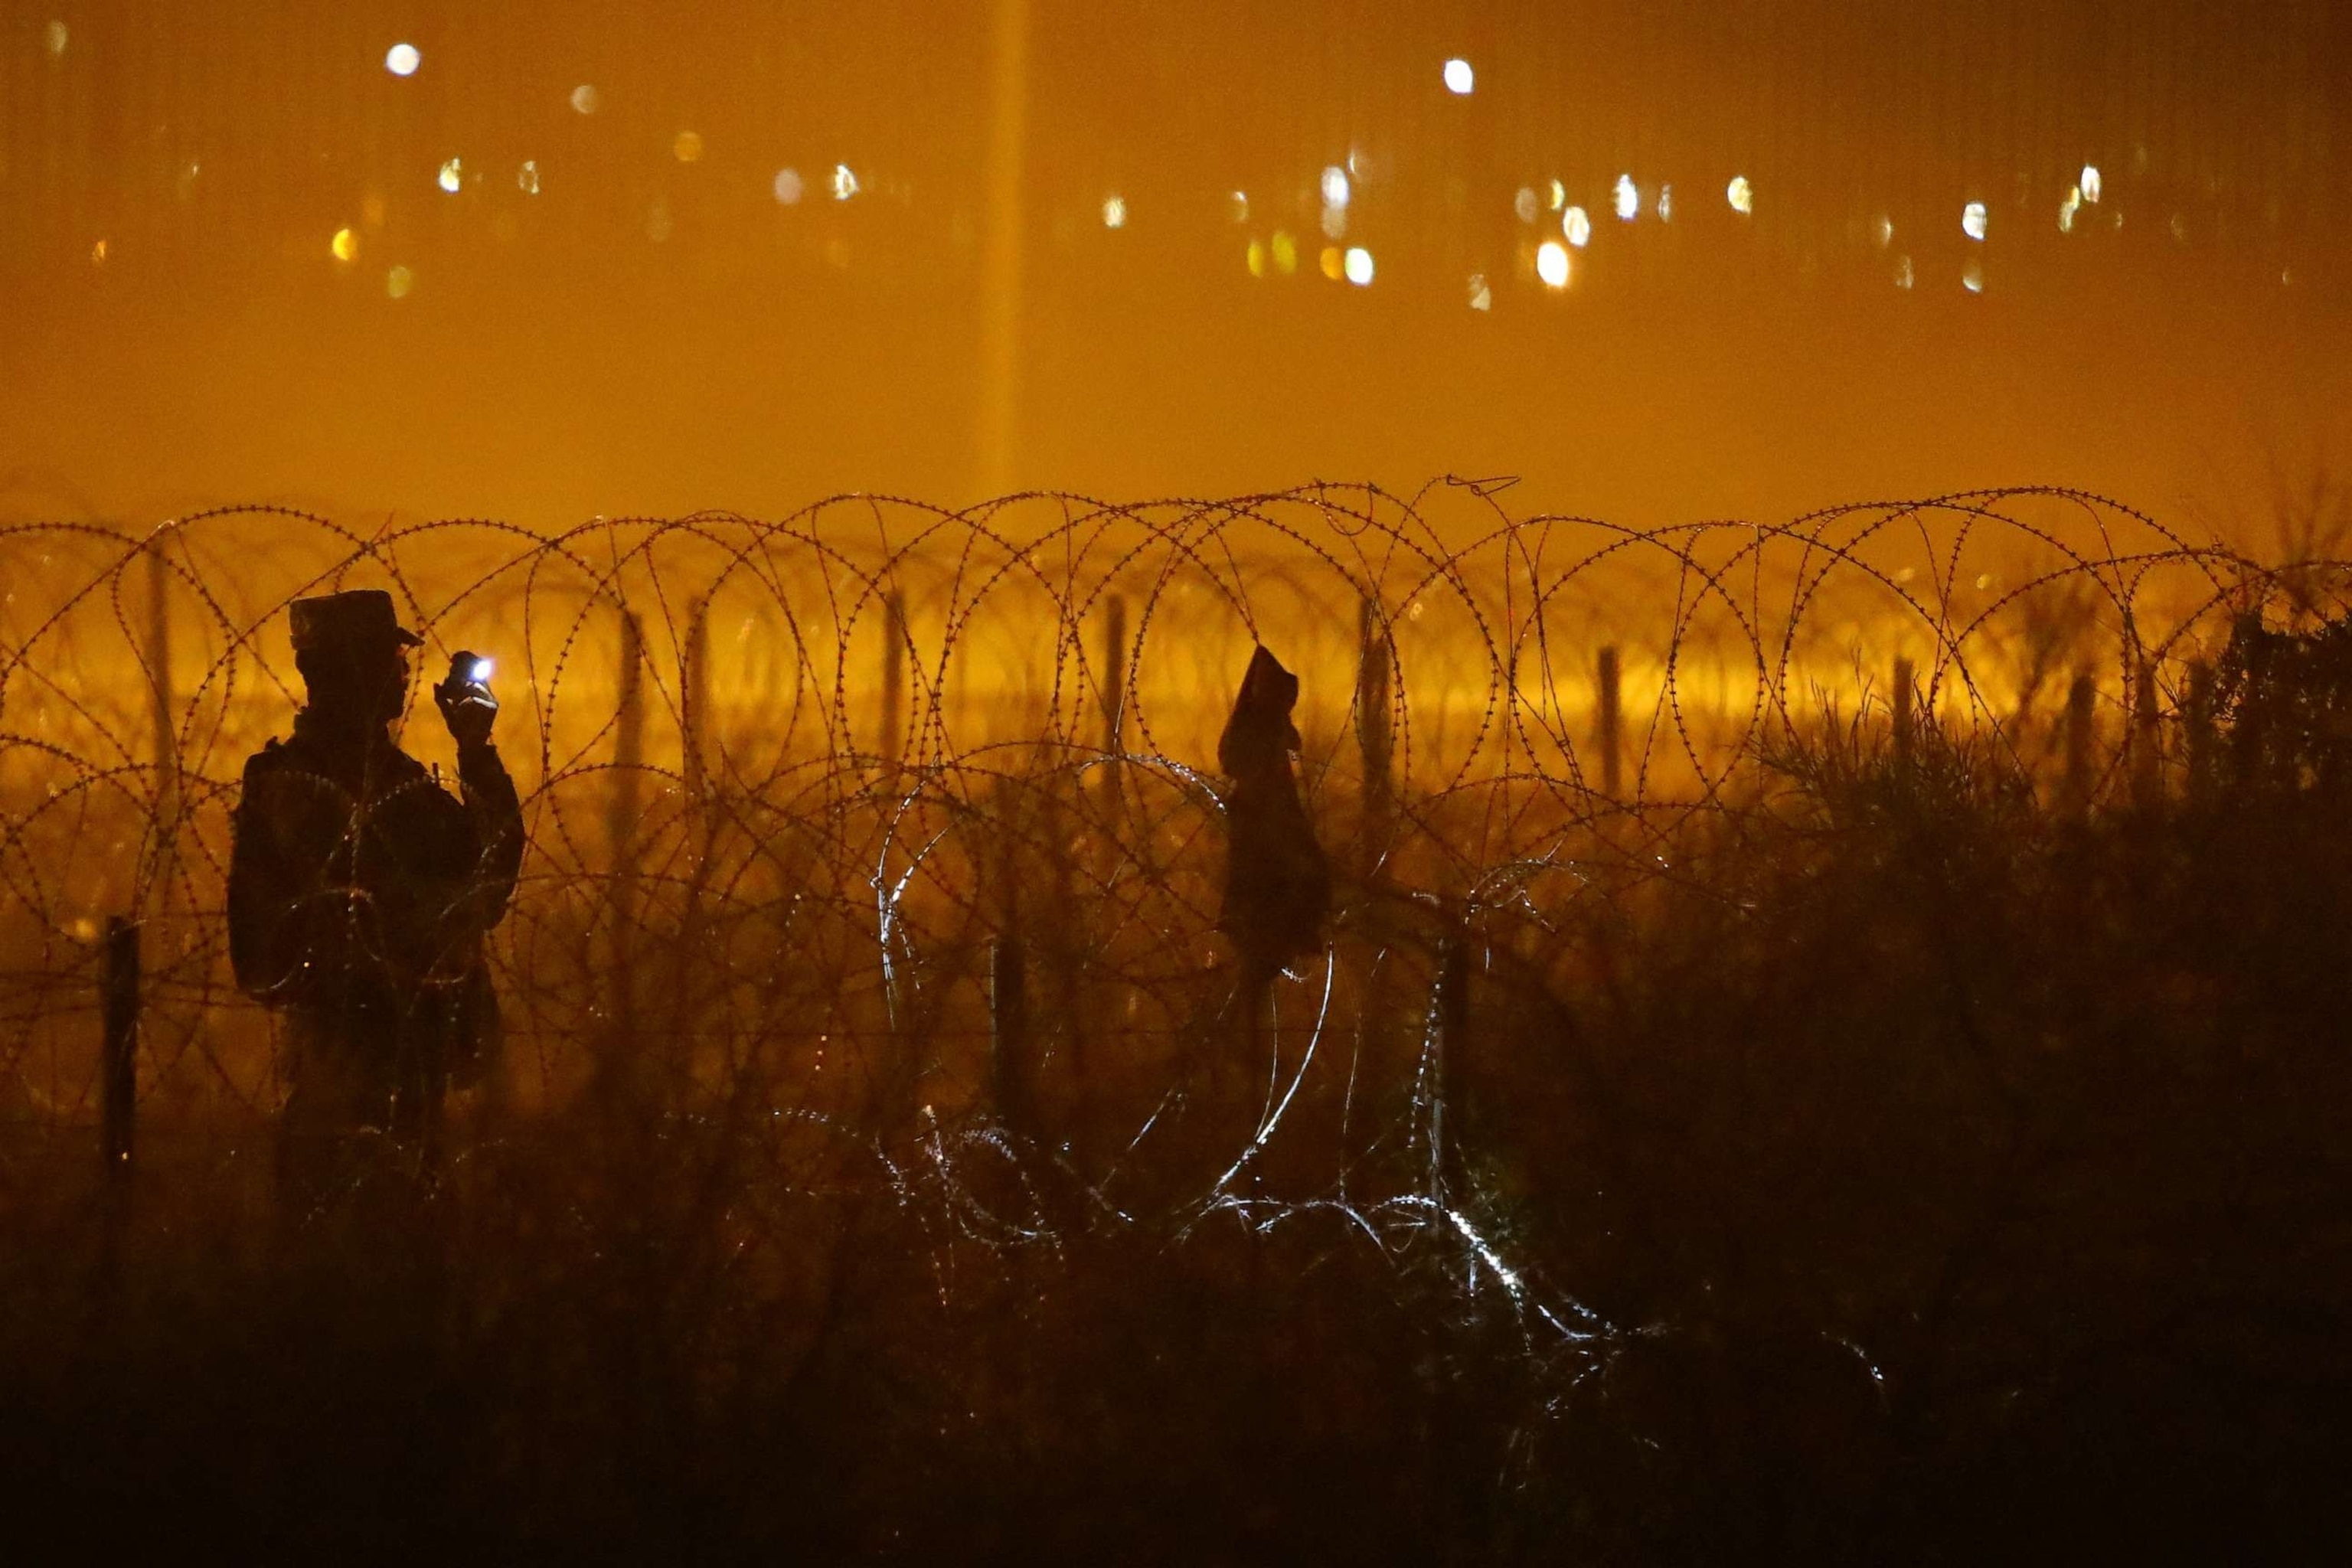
360	891
1278	885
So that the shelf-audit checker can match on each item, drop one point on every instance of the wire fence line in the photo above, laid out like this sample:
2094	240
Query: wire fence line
789	782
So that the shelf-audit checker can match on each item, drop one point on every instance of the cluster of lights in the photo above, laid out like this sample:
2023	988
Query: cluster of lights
1280	254
2085	193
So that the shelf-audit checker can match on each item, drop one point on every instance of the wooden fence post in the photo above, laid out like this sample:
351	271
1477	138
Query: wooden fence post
890	743
1375	738
2074	798
1610	725
164	729
623	809
2200	733
1008	969
1008	1030
1116	653
119	1076
1450	1119
1905	679
694	700
2147	739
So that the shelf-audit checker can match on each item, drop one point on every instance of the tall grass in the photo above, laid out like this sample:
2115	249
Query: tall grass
1864	1133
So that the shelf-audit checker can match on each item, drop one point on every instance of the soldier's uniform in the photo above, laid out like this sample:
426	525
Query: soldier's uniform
359	894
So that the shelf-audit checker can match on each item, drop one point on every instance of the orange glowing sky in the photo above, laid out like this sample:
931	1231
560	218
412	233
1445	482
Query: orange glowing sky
657	333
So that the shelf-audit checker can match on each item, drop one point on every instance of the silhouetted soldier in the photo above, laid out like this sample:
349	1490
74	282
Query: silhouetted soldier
1277	885
359	891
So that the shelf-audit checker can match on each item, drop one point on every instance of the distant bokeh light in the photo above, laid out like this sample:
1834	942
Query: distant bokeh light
160	169
1973	220
1359	266
398	282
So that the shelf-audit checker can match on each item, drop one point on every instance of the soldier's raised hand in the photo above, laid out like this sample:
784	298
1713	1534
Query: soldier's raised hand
465	699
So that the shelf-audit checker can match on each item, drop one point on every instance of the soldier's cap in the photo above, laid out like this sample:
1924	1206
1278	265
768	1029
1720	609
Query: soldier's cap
359	619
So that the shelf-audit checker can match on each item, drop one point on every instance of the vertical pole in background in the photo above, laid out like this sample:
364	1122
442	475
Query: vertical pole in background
694	721
119	1072
1903	682
1114	698
1611	726
165	730
623	810
1449	1119
1375	737
1008	1035
890	743
2147	738
2074	798
694	706
1000	248
2200	735
1008	976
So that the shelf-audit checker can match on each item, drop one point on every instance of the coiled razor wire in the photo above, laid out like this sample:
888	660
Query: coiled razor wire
791	785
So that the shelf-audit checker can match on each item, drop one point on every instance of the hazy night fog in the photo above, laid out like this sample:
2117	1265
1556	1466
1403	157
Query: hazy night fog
746	256
1176	782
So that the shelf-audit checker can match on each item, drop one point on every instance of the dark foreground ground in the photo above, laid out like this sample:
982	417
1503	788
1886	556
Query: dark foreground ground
1924	1175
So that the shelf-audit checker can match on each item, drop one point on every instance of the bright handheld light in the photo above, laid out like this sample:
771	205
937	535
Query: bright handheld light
481	673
